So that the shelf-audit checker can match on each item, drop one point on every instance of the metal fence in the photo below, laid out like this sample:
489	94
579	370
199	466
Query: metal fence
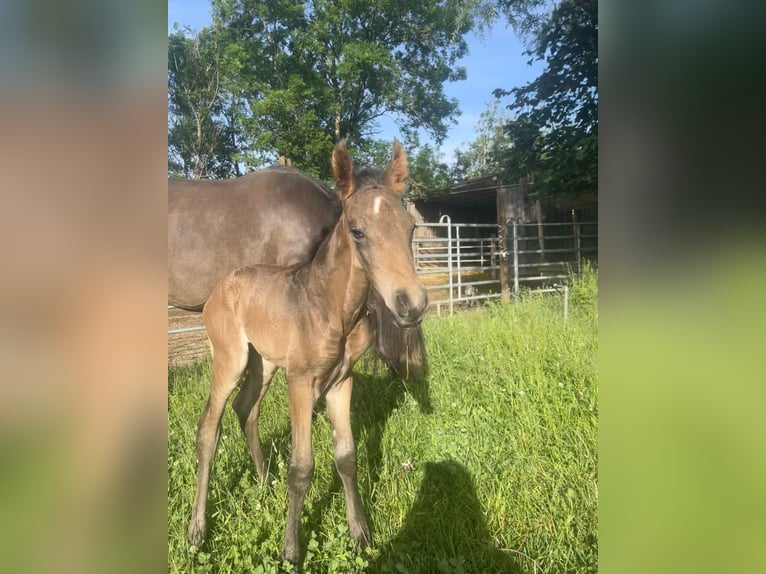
187	340
457	262
461	265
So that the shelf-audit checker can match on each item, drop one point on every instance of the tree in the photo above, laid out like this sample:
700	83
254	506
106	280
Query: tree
200	142
306	74
555	134
480	157
428	174
526	16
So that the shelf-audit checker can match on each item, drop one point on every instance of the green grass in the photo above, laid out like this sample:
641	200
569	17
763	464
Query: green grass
489	466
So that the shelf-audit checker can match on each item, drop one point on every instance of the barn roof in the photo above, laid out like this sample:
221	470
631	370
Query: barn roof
483	191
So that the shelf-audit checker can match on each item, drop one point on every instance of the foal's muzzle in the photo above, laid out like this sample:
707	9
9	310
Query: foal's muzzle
410	307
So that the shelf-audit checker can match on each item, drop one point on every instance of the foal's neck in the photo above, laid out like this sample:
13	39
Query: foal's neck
335	274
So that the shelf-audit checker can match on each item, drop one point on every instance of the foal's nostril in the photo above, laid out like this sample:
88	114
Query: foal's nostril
402	304
422	303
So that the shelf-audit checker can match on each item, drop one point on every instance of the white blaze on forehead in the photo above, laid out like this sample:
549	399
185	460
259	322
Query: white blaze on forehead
376	205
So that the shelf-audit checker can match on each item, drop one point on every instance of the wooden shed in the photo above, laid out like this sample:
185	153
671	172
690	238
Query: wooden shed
489	200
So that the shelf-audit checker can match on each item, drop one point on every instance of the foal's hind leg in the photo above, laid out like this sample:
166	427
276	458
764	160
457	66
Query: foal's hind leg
247	405
338	408
229	361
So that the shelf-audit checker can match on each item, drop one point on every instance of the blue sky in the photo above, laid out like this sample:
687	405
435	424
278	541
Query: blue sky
496	61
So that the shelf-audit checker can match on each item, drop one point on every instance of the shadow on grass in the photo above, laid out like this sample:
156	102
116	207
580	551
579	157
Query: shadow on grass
445	529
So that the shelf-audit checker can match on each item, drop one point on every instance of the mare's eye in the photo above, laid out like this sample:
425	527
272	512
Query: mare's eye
358	235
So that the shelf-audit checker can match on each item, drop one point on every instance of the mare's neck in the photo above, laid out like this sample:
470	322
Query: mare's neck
335	275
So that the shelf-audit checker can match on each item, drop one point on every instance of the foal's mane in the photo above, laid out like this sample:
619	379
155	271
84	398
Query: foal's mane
368	175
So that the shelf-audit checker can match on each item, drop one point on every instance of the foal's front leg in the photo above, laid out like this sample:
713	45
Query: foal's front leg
339	408
300	397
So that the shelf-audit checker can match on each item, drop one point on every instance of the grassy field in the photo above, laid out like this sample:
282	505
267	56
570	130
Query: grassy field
488	466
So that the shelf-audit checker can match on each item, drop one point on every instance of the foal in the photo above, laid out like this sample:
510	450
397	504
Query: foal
310	320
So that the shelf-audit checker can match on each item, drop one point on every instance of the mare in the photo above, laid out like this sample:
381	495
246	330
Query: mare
310	319
273	216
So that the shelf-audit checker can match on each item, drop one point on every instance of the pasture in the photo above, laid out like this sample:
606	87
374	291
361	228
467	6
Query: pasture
488	466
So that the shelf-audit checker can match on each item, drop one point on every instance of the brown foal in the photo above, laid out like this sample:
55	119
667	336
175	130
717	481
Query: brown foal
310	319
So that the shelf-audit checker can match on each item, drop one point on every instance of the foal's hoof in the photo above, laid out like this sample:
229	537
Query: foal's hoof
362	536
292	562
196	533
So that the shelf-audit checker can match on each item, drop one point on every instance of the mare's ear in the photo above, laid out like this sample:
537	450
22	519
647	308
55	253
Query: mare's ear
396	172
343	170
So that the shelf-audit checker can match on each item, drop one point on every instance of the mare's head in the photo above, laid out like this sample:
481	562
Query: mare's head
381	231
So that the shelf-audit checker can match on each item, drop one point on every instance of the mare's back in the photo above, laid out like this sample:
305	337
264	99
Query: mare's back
273	216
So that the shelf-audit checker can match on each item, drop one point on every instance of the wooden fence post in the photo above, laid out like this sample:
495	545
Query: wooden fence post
577	243
502	233
515	258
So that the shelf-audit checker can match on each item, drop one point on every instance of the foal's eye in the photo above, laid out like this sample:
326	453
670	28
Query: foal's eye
358	235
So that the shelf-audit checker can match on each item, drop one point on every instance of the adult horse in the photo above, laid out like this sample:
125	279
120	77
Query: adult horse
309	319
273	216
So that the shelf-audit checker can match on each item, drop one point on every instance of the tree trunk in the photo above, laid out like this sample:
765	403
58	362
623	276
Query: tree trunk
198	147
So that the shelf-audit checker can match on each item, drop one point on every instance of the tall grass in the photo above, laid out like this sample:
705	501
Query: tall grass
489	466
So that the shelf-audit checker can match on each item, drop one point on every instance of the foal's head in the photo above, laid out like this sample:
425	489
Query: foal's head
381	231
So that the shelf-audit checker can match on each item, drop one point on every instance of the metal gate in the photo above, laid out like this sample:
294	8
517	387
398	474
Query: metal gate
465	263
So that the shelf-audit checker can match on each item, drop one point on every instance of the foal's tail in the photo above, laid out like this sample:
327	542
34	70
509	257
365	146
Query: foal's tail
402	349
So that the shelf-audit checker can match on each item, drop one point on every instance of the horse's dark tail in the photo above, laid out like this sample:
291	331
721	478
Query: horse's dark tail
403	350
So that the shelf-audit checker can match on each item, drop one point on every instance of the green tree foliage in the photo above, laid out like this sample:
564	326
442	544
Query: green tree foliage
201	143
295	77
481	157
429	175
555	134
527	17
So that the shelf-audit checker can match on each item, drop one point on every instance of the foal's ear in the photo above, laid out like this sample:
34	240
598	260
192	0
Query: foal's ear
343	170
396	172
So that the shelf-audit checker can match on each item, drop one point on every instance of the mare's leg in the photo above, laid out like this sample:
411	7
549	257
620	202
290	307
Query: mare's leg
247	405
300	397
338	408
229	361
